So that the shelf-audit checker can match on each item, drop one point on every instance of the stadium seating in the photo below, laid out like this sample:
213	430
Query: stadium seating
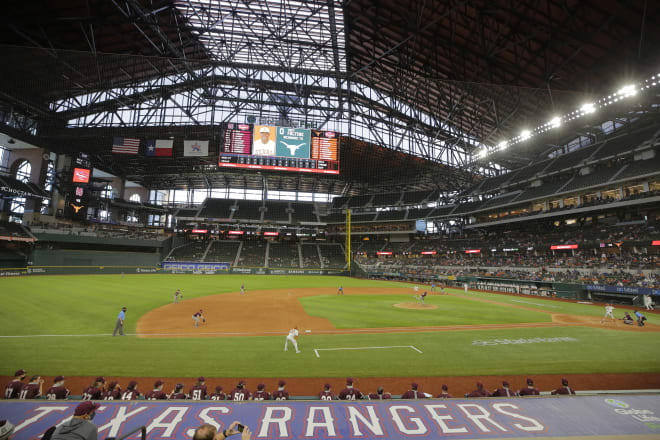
310	255
530	171
283	255
304	212
640	168
390	215
545	189
359	201
414	197
248	210
386	199
253	254
626	142
222	251
599	176
189	252
493	183
572	159
414	214
216	208
187	213
332	256
277	212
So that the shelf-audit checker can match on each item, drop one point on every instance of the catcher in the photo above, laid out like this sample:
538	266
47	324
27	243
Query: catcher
197	317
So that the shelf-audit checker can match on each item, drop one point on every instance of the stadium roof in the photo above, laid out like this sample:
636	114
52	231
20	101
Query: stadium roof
435	79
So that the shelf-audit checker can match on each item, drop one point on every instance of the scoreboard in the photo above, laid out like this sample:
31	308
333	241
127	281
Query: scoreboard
263	147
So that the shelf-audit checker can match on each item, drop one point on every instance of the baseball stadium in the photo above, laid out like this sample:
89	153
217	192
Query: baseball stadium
279	219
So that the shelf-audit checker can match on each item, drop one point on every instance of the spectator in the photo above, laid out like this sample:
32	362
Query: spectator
6	429
177	393
564	389
157	393
218	395
326	394
445	392
640	318
198	391
531	390
113	392
95	390
350	393
281	393
210	432
57	391
504	391
413	393
380	394
13	388
131	392
261	393
80	426
240	392
33	389
479	392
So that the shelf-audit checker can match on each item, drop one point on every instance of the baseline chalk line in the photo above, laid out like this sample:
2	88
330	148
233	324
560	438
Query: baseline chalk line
412	347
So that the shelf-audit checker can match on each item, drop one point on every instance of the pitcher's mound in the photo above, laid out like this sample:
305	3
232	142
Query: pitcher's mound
416	306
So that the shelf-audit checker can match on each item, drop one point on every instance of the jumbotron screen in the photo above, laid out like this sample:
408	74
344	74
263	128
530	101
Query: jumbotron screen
265	147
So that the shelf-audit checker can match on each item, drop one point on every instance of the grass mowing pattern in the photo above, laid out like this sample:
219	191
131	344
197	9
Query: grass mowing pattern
376	311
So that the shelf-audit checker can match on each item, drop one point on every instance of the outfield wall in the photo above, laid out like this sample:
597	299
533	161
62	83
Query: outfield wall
397	420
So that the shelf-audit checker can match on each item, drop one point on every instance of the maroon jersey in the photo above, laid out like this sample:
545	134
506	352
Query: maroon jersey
92	393
350	394
198	392
445	396
565	390
281	395
326	395
413	394
503	392
178	396
13	389
218	396
261	395
30	391
240	394
130	395
57	393
376	396
480	393
529	392
155	395
112	394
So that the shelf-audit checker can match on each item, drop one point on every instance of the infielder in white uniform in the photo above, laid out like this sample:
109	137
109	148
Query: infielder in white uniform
291	337
608	313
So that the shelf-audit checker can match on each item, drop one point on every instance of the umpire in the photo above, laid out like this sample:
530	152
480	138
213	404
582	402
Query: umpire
120	322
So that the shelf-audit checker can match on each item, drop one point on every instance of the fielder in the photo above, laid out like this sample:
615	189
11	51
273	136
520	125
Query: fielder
197	317
416	289
291	337
242	289
341	290
608	313
176	296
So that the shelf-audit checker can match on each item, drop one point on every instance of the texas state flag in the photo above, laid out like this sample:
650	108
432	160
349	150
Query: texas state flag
159	147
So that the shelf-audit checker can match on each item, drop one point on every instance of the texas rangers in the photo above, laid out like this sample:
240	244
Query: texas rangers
291	337
608	313
197	317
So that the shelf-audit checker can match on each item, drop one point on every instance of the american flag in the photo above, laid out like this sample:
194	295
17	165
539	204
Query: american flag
125	145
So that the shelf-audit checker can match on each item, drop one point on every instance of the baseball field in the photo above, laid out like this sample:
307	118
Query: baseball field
62	325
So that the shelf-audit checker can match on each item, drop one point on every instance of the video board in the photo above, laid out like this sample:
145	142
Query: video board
265	147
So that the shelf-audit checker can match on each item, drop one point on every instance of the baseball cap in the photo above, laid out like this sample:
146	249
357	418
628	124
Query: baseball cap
261	386
349	381
445	387
85	408
180	385
414	385
201	379
132	384
264	130
218	388
530	381
480	384
158	383
380	390
505	383
100	379
123	308
327	386
33	378
6	428
58	379
112	385
241	383
281	383
20	372
564	381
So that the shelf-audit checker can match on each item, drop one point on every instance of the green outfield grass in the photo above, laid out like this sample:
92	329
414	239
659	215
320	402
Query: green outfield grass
85	305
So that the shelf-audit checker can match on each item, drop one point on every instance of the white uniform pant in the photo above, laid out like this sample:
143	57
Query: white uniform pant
196	319
293	341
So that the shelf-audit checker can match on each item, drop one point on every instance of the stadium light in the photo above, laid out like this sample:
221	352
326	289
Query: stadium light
483	153
588	108
502	145
525	134
555	122
627	91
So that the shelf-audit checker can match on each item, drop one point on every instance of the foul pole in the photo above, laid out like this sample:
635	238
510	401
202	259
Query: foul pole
347	246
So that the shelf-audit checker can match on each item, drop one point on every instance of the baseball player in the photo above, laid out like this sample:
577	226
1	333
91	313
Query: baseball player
640	318
432	287
479	392
240	392
564	389
423	297
504	391
176	296
198	391
627	319
326	394
445	392
341	290
442	289
531	390
198	317
119	326
218	395
261	393
157	393
413	392
177	393
281	393
113	392
292	337
242	289
416	288
57	391
380	394
608	313
32	389
13	388
648	302
131	392
350	393
95	390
